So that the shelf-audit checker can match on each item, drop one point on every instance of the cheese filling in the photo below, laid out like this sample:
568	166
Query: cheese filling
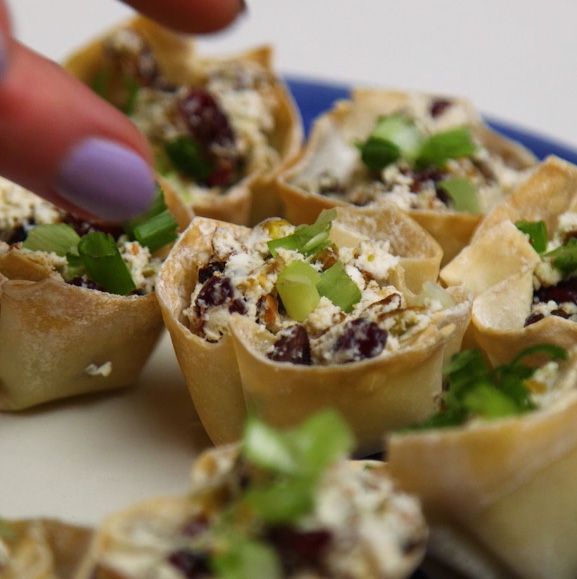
406	185
207	135
241	276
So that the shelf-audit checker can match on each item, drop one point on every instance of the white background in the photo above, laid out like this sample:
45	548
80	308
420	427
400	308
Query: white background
515	58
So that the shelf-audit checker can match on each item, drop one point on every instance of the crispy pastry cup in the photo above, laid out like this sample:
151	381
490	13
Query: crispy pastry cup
52	331
211	369
498	249
44	549
114	542
504	489
329	147
375	396
253	198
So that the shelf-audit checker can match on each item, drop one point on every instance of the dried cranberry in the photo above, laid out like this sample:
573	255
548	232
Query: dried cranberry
293	346
564	291
561	313
237	307
533	318
205	120
190	563
215	292
207	271
438	106
86	283
195	527
299	550
360	339
19	234
425	176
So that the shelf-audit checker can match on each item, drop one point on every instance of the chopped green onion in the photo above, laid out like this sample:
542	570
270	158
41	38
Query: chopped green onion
473	389
246	559
100	84
564	258
463	194
537	232
307	239
157	232
451	144
187	156
393	137
104	263
486	401
296	286
338	286
377	153
132	89
58	238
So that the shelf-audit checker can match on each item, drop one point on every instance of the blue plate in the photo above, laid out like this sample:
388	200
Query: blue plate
314	98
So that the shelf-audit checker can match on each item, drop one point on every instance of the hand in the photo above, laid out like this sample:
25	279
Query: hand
60	140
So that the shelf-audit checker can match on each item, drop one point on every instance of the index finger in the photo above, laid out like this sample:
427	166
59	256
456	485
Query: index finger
192	16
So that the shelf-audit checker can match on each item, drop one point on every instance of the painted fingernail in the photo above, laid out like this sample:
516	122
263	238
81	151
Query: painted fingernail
106	179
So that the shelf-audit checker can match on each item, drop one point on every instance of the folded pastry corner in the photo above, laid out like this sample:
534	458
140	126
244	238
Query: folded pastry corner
293	509
431	156
41	549
321	316
521	265
496	468
78	311
220	128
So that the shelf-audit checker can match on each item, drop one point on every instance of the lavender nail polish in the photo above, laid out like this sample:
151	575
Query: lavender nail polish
106	179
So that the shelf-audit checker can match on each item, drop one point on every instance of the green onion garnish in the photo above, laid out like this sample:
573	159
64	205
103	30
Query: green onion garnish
157	232
564	258
132	89
307	239
474	389
296	286
58	238
393	137
155	228
104	263
307	451
338	286
451	144
537	232
242	558
463	194
187	156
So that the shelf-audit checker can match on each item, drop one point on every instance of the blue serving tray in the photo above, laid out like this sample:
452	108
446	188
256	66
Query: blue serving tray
314	98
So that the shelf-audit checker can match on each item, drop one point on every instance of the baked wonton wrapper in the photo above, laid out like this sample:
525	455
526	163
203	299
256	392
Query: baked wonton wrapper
41	549
252	198
57	339
331	147
211	369
498	266
139	542
504	489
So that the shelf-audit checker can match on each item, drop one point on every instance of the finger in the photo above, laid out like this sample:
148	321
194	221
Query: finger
192	16
60	140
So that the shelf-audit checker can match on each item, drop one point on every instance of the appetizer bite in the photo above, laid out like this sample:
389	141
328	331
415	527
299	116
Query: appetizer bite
293	319
522	265
41	549
496	467
77	306
280	506
430	156
219	127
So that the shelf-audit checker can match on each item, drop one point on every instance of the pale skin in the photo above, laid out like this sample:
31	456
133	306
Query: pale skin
39	127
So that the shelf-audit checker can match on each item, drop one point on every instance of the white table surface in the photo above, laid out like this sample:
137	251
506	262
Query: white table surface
517	59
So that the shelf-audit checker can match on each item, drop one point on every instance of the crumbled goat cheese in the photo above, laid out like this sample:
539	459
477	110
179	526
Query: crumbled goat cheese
545	274
143	268
103	370
18	206
375	258
325	315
